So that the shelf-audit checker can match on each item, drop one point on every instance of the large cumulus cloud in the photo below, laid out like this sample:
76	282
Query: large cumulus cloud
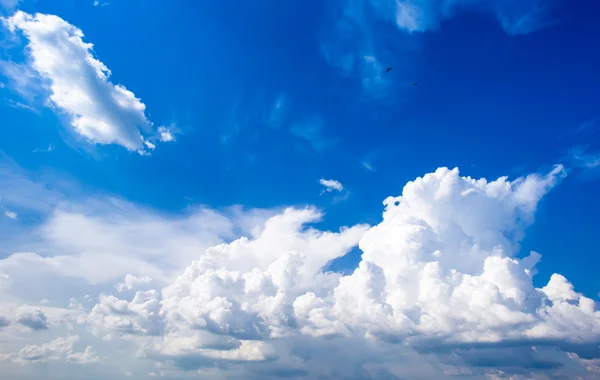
442	284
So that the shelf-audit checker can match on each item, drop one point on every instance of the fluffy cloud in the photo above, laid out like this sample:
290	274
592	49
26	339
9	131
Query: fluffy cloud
59	348
130	281
32	317
441	284
79	84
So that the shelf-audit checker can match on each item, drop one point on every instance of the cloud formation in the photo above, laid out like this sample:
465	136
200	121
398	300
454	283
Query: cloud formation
57	349
331	185
32	317
441	284
79	84
352	44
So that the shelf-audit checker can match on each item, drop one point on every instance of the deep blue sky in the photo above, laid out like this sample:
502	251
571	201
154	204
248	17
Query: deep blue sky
490	103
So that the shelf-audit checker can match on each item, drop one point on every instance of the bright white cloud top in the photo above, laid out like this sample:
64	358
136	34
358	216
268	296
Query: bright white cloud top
79	84
439	272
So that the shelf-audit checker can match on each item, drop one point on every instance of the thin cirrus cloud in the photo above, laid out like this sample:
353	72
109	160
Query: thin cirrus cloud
352	46
439	291
79	84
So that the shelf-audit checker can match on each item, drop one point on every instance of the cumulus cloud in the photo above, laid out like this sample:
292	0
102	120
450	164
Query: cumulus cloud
331	185
130	281
32	317
59	348
79	84
441	285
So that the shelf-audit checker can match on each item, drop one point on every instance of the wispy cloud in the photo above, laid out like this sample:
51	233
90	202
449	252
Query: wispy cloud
352	45
583	159
10	214
331	185
16	104
99	4
310	133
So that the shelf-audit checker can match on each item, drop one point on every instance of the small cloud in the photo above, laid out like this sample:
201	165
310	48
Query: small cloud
11	214
278	111
331	185
44	301
32	317
42	150
368	166
582	159
20	105
311	133
99	4
149	145
166	134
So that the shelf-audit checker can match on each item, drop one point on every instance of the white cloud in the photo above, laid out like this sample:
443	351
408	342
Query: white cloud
59	348
130	282
32	317
441	270
166	134
11	214
79	84
331	185
99	4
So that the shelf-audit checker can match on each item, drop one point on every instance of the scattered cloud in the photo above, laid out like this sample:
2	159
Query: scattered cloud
99	4
9	4
352	46
43	150
310	133
99	110
32	317
11	214
278	111
15	104
59	348
331	185
581	158
166	134
368	166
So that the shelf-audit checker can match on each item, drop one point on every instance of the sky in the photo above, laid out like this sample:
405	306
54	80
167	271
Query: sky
242	190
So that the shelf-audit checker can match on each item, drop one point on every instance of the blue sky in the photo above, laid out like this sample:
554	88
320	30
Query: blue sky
260	100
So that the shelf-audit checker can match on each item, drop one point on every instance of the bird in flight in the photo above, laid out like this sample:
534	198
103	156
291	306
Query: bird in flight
388	69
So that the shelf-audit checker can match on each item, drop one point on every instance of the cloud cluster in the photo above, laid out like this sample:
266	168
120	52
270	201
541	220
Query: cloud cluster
441	283
57	349
79	84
